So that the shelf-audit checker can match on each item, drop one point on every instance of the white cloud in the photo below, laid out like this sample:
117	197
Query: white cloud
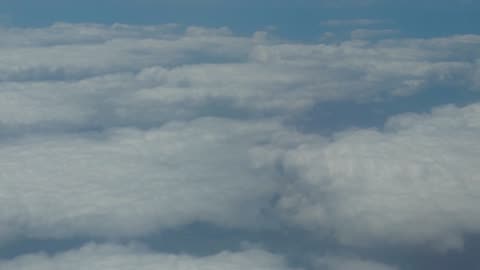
103	257
415	182
130	150
68	34
128	182
102	50
105	76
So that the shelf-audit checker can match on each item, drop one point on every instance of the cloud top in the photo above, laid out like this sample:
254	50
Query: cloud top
415	182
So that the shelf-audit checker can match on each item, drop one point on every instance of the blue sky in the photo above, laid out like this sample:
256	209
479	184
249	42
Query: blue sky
306	135
300	19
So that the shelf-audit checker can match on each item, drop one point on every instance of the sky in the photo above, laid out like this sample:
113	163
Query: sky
286	135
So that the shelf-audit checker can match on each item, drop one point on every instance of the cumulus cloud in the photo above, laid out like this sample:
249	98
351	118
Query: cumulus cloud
413	183
58	53
128	182
102	76
136	256
102	257
122	131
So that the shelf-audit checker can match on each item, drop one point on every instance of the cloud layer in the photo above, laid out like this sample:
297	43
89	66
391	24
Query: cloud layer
134	256
128	182
102	257
120	132
92	76
414	182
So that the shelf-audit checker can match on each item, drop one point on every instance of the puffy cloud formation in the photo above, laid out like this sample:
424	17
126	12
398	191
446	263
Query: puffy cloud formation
102	257
118	132
68	77
134	256
128	182
414	182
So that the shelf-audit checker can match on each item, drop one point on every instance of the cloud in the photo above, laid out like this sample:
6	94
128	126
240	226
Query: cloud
126	183
413	183
118	132
78	77
95	257
55	54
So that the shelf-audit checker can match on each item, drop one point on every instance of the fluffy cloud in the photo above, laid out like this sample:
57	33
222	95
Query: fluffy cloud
135	256
129	182
414	182
59	53
80	77
121	131
102	257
